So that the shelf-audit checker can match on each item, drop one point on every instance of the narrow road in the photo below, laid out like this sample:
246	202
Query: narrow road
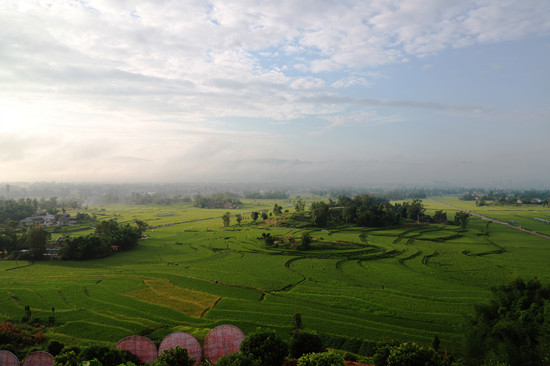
492	220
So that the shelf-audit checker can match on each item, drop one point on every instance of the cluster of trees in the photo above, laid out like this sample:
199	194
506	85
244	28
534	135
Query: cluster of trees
10	236
514	328
99	355
461	219
299	205
266	348
14	237
277	209
53	205
17	210
365	210
98	244
24	207
507	197
217	200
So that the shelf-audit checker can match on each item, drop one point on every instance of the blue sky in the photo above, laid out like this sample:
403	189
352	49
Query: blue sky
334	92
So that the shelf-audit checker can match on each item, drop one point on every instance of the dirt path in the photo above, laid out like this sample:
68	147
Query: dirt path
492	220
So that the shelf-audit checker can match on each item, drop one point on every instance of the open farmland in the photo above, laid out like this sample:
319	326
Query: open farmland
192	274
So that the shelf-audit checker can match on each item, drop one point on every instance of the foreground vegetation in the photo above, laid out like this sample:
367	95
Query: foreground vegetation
356	285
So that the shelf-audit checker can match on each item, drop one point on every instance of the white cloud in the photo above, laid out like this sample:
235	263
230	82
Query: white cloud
307	83
136	81
351	81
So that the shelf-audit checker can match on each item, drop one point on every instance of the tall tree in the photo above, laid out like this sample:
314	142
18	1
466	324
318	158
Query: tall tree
320	213
415	209
306	241
461	218
440	216
299	205
36	240
254	215
277	210
142	225
226	219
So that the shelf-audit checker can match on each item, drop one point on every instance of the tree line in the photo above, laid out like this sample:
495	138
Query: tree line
30	243
364	210
483	198
216	200
17	210
107	237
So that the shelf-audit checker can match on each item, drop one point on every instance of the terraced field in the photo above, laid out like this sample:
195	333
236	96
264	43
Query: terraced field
406	283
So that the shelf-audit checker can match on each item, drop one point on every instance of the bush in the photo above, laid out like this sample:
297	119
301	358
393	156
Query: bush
410	354
54	348
381	355
118	356
348	356
91	352
321	359
93	362
303	342
265	346
174	357
69	358
107	356
237	359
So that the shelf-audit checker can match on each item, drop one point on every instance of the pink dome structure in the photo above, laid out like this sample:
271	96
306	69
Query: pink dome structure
8	359
142	347
184	340
222	340
39	358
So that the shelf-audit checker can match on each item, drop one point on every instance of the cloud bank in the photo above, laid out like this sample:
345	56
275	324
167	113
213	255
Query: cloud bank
163	90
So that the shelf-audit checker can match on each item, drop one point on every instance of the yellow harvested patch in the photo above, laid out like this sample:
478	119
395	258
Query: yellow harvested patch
164	293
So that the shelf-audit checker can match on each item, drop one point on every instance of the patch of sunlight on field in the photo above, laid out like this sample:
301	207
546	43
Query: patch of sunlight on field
163	292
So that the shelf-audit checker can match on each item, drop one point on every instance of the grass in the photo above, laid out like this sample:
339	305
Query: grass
405	283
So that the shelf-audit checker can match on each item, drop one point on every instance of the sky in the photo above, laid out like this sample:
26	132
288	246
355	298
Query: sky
414	92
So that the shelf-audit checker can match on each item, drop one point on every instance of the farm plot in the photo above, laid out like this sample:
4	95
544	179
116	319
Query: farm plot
406	283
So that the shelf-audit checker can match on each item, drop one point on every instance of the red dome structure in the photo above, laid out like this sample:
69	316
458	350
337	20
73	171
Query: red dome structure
222	340
8	359
39	358
142	347
184	340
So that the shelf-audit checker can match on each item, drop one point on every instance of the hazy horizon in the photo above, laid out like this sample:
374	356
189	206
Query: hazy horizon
311	92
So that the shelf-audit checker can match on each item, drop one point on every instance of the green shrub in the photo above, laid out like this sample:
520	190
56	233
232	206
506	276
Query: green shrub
174	357
410	354
237	359
321	359
265	346
69	358
303	342
54	348
107	356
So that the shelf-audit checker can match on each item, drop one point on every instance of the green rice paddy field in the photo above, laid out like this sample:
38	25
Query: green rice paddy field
408	283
